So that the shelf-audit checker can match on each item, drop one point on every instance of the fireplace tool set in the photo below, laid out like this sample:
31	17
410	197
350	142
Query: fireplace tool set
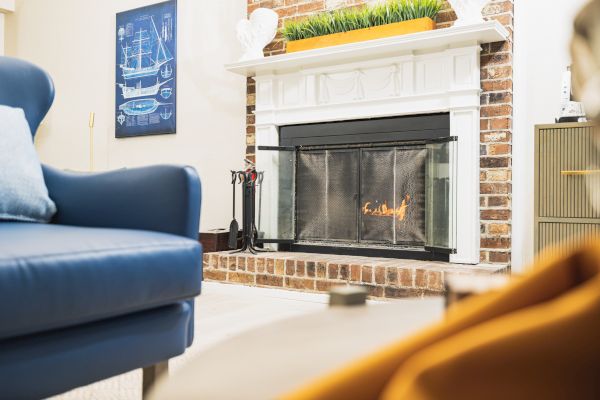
250	179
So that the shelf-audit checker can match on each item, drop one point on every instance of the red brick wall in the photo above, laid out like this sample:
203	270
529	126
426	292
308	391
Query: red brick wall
496	114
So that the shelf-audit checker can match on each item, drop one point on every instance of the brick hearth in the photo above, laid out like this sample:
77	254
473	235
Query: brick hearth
383	277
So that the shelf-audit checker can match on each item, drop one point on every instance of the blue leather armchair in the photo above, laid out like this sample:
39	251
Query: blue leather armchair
108	286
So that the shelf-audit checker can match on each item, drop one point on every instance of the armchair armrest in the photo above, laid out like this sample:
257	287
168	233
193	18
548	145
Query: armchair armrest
158	198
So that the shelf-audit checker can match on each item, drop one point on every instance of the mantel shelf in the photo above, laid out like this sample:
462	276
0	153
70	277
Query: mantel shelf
438	39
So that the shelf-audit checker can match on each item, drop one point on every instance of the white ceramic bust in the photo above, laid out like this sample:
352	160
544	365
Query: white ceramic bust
468	11
257	32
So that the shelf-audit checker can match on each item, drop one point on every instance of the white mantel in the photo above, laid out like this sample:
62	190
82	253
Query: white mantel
422	73
6	6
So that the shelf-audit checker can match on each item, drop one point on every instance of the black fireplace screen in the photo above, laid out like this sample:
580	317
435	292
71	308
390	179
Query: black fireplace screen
362	195
326	195
393	194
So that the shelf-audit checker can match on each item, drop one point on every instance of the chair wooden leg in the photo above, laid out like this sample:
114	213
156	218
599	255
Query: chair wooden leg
151	375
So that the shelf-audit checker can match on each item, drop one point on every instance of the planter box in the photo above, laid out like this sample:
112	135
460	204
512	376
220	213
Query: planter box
361	35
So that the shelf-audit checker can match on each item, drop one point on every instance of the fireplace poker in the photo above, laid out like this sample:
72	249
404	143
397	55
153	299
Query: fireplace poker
233	226
261	178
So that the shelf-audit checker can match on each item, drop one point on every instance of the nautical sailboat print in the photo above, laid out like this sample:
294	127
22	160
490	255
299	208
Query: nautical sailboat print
166	113
147	55
121	118
146	70
139	91
167	71
140	107
165	93
167	27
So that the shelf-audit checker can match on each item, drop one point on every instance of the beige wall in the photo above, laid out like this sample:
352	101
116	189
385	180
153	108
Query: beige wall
74	41
542	36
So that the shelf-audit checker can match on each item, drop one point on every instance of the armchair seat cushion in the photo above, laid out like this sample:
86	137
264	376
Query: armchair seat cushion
55	276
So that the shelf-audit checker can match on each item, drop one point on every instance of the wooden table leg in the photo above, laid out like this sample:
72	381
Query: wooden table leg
151	375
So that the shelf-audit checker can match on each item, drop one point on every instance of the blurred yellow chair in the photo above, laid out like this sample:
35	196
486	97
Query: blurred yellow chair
539	338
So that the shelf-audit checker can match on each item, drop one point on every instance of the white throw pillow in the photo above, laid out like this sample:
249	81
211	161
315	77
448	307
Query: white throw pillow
23	193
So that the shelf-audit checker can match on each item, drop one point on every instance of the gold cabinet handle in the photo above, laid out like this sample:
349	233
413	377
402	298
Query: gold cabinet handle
580	172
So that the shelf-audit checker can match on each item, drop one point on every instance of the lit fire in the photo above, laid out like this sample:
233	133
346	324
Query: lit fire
383	210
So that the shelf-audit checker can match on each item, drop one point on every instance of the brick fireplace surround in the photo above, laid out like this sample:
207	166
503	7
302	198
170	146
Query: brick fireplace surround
495	175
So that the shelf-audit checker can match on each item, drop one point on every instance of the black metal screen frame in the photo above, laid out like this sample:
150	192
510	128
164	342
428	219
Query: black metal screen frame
361	146
363	134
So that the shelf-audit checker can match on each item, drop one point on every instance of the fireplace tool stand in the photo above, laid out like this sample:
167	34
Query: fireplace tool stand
249	179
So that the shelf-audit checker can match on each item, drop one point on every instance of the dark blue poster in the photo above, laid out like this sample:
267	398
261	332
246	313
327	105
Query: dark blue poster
146	71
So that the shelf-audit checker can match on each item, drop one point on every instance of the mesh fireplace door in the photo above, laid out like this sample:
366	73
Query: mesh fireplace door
392	195
327	195
401	194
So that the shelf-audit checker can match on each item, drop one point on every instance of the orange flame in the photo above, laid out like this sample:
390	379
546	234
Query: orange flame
383	210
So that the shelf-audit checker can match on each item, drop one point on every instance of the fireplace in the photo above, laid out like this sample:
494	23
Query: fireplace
380	187
429	73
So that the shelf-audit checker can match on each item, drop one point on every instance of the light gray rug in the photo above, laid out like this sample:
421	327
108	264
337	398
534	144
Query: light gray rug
222	311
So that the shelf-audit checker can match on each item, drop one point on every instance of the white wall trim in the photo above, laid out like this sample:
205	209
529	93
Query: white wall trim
6	6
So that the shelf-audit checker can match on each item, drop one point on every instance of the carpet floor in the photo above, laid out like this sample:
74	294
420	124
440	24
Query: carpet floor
222	311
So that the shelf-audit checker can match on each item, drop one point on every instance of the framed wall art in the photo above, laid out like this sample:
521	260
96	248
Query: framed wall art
146	71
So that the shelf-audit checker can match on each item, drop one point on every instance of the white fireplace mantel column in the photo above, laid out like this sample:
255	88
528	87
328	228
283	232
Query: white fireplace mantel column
423	73
6	6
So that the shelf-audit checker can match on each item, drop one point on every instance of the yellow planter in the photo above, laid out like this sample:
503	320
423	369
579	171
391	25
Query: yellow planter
361	35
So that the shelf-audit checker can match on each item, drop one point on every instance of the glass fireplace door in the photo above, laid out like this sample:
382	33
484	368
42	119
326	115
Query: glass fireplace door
397	195
441	195
275	198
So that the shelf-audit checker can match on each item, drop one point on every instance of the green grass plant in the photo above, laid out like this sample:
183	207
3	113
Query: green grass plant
350	19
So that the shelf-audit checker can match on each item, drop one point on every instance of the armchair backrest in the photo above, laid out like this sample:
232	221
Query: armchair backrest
26	86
